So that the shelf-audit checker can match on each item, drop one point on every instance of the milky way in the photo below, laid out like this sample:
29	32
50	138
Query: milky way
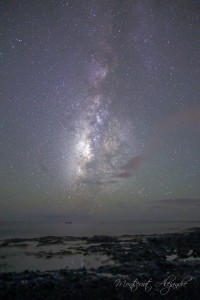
97	143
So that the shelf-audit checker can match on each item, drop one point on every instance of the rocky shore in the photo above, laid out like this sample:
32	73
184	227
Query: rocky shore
163	266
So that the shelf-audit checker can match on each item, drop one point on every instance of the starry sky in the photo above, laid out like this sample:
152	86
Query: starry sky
100	109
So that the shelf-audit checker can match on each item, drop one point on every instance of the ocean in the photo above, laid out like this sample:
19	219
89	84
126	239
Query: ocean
79	229
52	250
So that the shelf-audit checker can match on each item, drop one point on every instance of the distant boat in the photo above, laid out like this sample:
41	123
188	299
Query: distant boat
68	222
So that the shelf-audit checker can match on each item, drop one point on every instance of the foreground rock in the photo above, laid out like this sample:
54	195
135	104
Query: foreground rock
146	267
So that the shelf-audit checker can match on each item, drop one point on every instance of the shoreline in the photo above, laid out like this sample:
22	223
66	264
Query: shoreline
164	260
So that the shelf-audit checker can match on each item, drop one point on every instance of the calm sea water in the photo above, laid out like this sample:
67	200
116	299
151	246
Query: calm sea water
24	256
38	229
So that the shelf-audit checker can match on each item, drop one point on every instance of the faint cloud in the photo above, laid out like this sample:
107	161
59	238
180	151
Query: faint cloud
185	118
123	175
133	163
130	167
184	201
98	182
122	205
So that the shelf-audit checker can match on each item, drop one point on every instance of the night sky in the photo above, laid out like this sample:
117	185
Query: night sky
100	109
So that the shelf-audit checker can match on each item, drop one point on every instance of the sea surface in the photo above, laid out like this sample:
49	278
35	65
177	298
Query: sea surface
77	229
20	255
